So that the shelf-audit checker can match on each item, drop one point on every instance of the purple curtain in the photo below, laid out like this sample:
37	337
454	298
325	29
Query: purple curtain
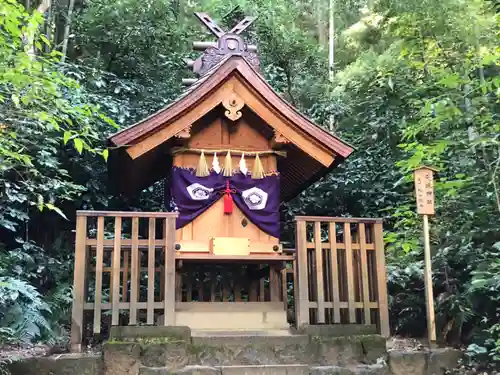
258	199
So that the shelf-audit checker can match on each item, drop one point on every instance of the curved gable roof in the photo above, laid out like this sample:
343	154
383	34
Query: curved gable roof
131	162
206	85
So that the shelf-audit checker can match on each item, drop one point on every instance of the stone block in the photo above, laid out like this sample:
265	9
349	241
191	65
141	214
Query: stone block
265	370
132	333
121	358
345	351
65	364
336	330
440	360
408	363
173	355
250	350
330	370
376	369
188	370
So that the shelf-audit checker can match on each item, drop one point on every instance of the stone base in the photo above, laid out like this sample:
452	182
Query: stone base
244	350
174	352
434	362
133	333
337	330
271	370
63	364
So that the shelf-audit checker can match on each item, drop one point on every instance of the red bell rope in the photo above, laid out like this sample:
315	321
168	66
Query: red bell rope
228	199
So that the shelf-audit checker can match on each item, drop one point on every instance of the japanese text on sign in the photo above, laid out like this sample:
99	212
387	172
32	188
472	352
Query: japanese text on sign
424	190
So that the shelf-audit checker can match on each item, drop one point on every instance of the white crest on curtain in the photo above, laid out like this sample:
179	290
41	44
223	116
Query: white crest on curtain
198	192
255	198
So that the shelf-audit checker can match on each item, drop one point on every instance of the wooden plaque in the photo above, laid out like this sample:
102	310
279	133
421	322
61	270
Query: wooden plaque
424	190
230	246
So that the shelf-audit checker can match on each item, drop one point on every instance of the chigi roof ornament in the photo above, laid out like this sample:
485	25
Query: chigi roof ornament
228	44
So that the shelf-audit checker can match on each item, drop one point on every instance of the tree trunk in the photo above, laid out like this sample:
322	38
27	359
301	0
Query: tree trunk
67	28
30	37
320	25
331	54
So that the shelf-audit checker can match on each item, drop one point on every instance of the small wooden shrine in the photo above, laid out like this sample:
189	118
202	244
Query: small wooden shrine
236	150
231	151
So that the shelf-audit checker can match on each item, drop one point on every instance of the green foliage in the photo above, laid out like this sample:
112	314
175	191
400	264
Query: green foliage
416	82
485	290
46	123
41	110
22	313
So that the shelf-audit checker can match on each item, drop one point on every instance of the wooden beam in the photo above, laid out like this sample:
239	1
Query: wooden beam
210	24
202	46
242	25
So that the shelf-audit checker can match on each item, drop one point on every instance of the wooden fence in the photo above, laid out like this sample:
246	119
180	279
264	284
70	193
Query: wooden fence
340	274
110	247
127	273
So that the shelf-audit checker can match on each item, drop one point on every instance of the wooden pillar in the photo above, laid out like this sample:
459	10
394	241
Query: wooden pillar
301	276
383	304
274	284
351	300
253	285
116	267
78	284
169	301
284	286
320	293
151	270
135	272
332	237
213	284
98	274
364	274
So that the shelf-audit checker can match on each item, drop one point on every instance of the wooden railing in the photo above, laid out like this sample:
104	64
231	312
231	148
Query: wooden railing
126	273
138	243
340	274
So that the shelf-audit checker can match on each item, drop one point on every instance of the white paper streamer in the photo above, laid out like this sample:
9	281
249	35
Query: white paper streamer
215	164
243	165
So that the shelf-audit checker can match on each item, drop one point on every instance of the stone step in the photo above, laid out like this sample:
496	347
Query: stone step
291	369
245	349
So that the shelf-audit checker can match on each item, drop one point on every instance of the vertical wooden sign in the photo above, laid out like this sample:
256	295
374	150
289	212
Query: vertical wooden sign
424	191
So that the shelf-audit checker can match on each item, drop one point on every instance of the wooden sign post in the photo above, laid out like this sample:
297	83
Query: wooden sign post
424	190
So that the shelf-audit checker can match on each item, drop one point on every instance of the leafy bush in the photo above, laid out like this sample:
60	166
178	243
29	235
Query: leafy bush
23	313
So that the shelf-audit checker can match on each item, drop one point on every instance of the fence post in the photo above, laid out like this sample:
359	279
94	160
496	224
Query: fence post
301	276
79	284
169	298
383	305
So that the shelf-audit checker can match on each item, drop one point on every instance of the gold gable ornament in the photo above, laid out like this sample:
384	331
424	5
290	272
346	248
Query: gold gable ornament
233	104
